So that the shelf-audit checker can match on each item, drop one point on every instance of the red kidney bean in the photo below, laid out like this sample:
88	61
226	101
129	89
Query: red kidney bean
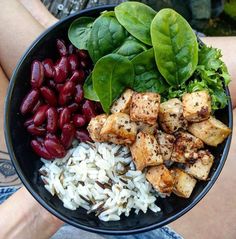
55	148
59	87
29	121
65	117
71	49
37	131
79	120
37	74
82	135
98	108
48	96
51	84
82	54
61	70
29	101
59	110
84	63
52	120
40	149
78	76
37	105
61	47
67	135
53	137
48	68
73	62
73	107
88	110
39	139
66	93
79	93
40	115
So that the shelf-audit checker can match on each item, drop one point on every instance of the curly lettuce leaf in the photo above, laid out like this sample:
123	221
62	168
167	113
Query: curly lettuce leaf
211	74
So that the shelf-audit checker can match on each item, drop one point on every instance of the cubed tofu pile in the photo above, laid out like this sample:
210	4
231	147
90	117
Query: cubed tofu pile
172	155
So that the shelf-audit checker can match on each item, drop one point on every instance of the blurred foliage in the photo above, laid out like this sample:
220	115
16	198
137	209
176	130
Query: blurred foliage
230	9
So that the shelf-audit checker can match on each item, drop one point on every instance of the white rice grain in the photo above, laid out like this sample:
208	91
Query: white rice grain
101	178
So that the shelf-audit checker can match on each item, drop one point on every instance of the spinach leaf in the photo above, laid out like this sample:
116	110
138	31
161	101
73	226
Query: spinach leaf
79	32
111	75
131	48
136	18
89	92
175	46
147	77
106	36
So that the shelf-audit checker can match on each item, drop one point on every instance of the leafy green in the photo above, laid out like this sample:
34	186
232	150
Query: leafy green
106	36
110	82
211	74
89	92
131	48
175	46
136	18
147	77
79	31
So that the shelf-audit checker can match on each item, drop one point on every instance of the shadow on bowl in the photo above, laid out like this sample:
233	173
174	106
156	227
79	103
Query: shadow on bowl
27	163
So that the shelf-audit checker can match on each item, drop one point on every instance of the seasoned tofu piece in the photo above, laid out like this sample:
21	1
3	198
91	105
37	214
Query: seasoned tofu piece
161	179
185	147
183	183
171	116
146	128
123	103
166	143
119	129
95	126
196	106
211	131
201	167
145	151
145	107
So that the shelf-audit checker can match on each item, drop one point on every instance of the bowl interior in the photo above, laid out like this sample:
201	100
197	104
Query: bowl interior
27	163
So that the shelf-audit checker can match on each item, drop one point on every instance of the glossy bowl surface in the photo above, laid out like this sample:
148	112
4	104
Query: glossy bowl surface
27	163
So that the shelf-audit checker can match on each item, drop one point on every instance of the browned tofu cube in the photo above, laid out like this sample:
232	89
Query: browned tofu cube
211	131
183	183
196	106
171	116
95	126
200	169
123	103
145	107
166	143
145	151
185	147
147	128
161	179
119	129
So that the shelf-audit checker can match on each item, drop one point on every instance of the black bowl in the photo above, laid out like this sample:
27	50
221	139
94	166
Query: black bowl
27	163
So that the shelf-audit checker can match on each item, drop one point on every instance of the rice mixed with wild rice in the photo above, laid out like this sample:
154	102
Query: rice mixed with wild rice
101	178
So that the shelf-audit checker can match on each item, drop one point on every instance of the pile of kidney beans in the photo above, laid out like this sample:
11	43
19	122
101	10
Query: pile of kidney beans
55	109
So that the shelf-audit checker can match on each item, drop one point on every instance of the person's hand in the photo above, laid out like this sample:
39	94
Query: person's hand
23	217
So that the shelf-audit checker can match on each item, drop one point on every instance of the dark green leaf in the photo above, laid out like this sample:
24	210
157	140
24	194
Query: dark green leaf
106	36
131	48
89	92
136	18
175	46
111	75
147	77
79	32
